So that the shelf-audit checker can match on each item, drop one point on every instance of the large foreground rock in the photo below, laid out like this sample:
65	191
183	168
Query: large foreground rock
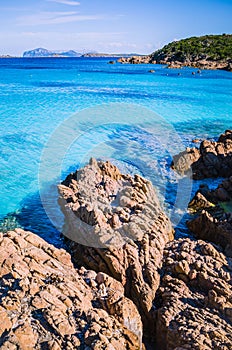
47	304
118	227
211	160
194	301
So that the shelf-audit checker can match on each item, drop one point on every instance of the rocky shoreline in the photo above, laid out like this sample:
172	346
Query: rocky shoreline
48	304
204	52
214	220
119	206
175	64
125	282
211	160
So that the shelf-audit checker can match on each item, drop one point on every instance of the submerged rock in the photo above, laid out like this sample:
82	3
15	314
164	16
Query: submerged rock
211	160
47	303
117	227
194	300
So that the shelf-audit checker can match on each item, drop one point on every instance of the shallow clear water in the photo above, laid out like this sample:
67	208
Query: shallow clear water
38	95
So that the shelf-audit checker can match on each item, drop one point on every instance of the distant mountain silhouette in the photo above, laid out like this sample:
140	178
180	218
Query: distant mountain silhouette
97	54
40	52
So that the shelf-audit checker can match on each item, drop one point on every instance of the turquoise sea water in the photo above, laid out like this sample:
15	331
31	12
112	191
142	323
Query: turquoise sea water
37	96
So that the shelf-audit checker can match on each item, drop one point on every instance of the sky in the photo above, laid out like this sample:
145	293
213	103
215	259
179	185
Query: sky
109	26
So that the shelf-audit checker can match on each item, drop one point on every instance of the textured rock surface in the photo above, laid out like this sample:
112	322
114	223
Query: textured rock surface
195	299
213	229
200	202
222	193
214	222
98	201
136	60
172	63
47	304
208	199
212	159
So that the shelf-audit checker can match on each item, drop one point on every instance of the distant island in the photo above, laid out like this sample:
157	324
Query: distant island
204	52
41	52
6	56
110	55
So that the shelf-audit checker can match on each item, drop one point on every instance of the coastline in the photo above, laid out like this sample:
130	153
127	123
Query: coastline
202	52
116	175
130	291
137	60
200	64
176	279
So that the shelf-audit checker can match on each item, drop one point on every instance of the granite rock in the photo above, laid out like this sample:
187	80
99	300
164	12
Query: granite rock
200	202
122	216
194	301
214	220
212	159
213	200
48	304
136	60
214	229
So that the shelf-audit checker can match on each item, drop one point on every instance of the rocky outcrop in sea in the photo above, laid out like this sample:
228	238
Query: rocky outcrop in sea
125	213
136	60
125	282
180	287
214	220
212	159
212	208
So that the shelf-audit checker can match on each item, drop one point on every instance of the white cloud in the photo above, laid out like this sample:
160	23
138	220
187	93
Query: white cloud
56	18
109	42
82	41
68	35
66	2
118	45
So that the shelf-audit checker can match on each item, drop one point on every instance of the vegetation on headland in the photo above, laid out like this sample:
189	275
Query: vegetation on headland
209	51
209	47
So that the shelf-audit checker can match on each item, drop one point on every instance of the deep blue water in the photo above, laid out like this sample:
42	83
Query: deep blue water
88	107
